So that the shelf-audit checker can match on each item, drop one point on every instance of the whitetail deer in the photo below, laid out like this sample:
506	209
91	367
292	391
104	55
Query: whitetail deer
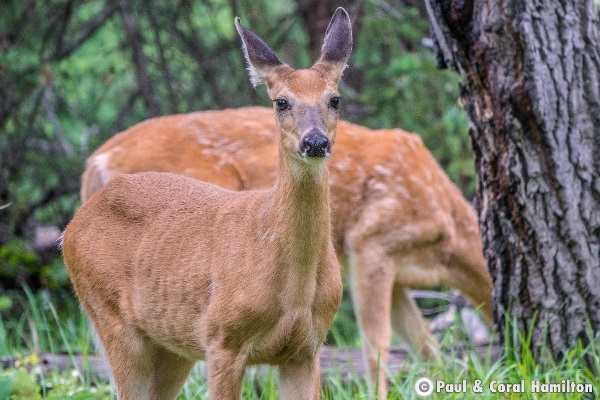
395	213
396	216
172	270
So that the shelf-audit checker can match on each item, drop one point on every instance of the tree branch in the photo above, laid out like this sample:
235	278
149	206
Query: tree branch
90	28
162	60
63	24
53	118
139	58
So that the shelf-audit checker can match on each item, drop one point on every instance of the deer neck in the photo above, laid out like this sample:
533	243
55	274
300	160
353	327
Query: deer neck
300	221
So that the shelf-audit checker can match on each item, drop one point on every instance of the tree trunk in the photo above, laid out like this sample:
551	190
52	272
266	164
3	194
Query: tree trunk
315	15
531	91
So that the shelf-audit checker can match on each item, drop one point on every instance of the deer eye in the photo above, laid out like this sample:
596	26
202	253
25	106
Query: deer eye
335	102
281	104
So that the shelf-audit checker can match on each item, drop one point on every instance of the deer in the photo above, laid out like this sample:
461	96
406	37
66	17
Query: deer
172	270
398	221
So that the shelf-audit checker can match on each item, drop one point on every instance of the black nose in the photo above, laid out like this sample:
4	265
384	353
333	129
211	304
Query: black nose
315	144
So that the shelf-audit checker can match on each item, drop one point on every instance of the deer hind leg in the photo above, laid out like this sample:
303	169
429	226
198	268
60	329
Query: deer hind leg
300	380
409	324
372	277
475	284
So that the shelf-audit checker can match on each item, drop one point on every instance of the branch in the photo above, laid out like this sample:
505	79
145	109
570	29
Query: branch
66	18
53	118
453	298
162	59
90	28
117	123
139	58
439	32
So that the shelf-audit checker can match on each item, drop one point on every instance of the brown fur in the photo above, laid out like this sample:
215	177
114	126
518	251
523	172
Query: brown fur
395	213
172	270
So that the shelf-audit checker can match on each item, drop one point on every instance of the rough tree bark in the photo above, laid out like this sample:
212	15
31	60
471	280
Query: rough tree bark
531	91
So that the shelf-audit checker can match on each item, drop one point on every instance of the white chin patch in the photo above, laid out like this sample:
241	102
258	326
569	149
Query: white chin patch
312	166
314	160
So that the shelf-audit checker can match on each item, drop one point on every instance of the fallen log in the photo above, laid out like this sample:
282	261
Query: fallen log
346	363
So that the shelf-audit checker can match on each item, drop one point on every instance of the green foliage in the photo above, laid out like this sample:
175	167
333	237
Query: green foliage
26	381
18	260
45	321
16	256
19	385
5	303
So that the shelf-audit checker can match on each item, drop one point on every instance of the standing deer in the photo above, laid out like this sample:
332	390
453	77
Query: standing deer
395	214
396	217
172	270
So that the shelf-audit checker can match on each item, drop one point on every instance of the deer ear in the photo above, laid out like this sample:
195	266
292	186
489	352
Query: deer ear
259	56
337	45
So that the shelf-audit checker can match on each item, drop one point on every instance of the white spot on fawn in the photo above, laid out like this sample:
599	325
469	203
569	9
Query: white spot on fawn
342	165
383	170
101	163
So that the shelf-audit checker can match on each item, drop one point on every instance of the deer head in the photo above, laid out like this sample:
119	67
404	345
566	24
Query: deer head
306	101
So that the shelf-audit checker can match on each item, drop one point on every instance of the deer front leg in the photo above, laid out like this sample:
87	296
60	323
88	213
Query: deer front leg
169	373
300	380
409	324
129	355
225	373
372	276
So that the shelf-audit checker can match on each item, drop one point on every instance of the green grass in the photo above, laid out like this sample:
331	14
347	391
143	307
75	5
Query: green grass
46	322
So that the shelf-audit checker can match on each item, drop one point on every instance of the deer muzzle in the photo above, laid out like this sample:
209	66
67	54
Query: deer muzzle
315	144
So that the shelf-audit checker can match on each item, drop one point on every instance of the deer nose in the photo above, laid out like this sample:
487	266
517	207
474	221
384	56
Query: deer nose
315	144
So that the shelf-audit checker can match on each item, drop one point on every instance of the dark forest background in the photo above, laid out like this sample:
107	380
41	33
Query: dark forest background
74	73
